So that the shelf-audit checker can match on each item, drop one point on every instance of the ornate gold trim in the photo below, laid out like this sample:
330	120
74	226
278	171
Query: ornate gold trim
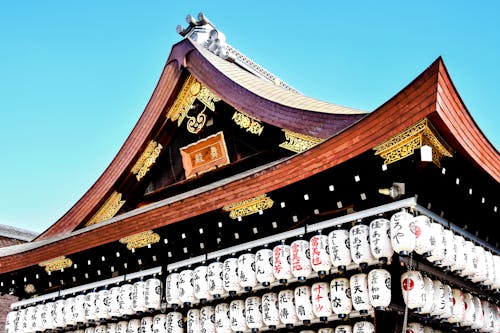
247	122
298	143
191	90
56	264
108	209
404	144
147	159
141	239
249	206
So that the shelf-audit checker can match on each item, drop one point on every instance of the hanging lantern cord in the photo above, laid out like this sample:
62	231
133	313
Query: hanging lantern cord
409	269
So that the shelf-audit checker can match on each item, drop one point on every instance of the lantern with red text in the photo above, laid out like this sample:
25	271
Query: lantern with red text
320	256
300	259
322	306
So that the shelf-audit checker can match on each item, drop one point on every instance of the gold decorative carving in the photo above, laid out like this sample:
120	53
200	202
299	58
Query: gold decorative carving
195	124
108	209
247	122
147	159
191	90
404	144
141	239
249	206
56	264
298	143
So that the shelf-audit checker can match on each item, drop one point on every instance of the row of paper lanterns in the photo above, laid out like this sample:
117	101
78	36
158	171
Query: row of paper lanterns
94	306
437	299
361	292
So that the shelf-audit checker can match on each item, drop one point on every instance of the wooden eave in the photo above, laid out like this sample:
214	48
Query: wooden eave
430	95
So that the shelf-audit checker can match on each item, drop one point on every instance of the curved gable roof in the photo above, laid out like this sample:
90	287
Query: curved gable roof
235	86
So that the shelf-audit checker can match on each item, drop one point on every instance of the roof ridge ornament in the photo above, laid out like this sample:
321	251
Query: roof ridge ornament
204	33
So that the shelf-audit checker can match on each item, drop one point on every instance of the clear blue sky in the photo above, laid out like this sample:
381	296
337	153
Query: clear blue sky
76	75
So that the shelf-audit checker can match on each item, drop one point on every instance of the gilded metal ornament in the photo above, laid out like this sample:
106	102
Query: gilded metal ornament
108	209
191	90
249	206
147	159
247	122
141	239
414	137
298	143
56	264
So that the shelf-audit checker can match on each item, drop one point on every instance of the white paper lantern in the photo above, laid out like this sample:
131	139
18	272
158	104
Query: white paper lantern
200	283
160	323
359	293
479	314
92	330
496	311
490	269
230	276
78	310
50	309
146	325
193	321
449	245
322	306
340	295
363	327
380	239
489	317
469	310
237	316
412	286
20	319
448	299
438	252
379	288
340	252
460	254
36	317
186	294
496	264
121	326
111	328
424	238
282	269
270	312
172	290
40	312
438	299
59	314
175	323
300	259
458	307
215	279
114	302
264	267
102	329
343	329
470	257
403	233
415	328
222	318
153	294
126	300
253	313
303	305
359	238
139	297
9	321
246	271
134	326
29	321
429	304
320	256
101	309
481	271
286	307
326	330
207	319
